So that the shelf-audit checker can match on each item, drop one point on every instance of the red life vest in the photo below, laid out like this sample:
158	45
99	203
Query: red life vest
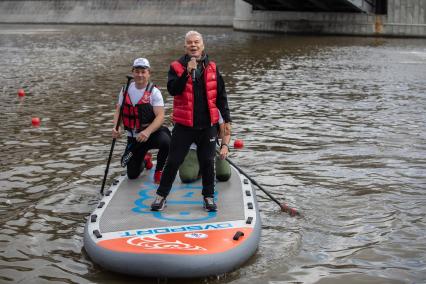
183	104
136	116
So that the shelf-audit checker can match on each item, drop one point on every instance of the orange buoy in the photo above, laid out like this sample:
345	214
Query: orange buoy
238	144
21	93
35	121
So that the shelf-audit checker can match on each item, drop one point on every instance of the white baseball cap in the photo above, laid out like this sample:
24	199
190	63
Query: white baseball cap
141	63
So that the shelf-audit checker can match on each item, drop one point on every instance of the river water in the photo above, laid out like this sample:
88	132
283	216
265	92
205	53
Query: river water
334	126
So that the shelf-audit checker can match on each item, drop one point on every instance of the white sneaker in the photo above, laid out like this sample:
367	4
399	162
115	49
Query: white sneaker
159	203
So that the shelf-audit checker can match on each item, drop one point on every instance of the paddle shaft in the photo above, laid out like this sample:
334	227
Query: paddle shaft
117	125
284	207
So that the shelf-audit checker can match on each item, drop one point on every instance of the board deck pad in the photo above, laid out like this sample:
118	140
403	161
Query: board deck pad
129	208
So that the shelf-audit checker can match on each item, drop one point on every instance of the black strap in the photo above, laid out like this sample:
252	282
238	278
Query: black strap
150	87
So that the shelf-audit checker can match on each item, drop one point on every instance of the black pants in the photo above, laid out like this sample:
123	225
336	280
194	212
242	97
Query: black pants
160	140
182	138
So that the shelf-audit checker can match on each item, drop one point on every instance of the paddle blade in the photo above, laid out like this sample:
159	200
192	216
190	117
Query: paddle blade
291	211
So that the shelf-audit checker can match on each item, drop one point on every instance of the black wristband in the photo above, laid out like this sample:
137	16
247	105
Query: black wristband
227	146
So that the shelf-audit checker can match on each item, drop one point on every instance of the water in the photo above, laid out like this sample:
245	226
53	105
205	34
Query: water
334	126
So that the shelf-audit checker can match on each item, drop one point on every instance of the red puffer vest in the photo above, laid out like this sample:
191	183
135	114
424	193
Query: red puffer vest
183	104
135	116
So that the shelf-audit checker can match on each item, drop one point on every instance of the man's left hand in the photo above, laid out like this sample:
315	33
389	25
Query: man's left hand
224	152
227	128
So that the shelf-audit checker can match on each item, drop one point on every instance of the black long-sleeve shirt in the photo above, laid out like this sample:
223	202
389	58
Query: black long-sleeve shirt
176	85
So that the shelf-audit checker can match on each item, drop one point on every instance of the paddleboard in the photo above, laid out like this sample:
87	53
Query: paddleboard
182	241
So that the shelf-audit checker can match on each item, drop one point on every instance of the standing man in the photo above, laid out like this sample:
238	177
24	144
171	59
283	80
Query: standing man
199	94
143	118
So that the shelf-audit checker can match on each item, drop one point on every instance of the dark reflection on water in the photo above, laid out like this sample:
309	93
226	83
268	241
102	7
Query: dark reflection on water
333	125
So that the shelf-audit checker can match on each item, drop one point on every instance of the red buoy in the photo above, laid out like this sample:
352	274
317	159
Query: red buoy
21	93
238	144
35	121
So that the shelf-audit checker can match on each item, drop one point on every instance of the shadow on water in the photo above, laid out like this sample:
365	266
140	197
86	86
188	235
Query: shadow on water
333	125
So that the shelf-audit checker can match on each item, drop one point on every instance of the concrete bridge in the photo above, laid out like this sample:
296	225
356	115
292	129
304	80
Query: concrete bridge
344	6
338	17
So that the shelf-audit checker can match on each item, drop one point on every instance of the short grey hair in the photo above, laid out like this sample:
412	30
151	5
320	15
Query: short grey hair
192	33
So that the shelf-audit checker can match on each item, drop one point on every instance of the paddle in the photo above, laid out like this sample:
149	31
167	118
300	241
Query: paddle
291	211
129	78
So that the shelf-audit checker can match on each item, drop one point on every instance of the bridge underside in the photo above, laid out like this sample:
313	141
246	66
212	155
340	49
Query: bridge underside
349	6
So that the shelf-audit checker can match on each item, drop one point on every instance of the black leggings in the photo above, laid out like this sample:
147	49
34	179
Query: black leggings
160	139
182	138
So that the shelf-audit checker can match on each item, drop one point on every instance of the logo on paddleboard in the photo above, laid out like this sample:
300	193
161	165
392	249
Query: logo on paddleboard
186	201
196	236
155	243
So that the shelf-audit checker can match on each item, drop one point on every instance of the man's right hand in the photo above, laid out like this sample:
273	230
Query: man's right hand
192	64
115	133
